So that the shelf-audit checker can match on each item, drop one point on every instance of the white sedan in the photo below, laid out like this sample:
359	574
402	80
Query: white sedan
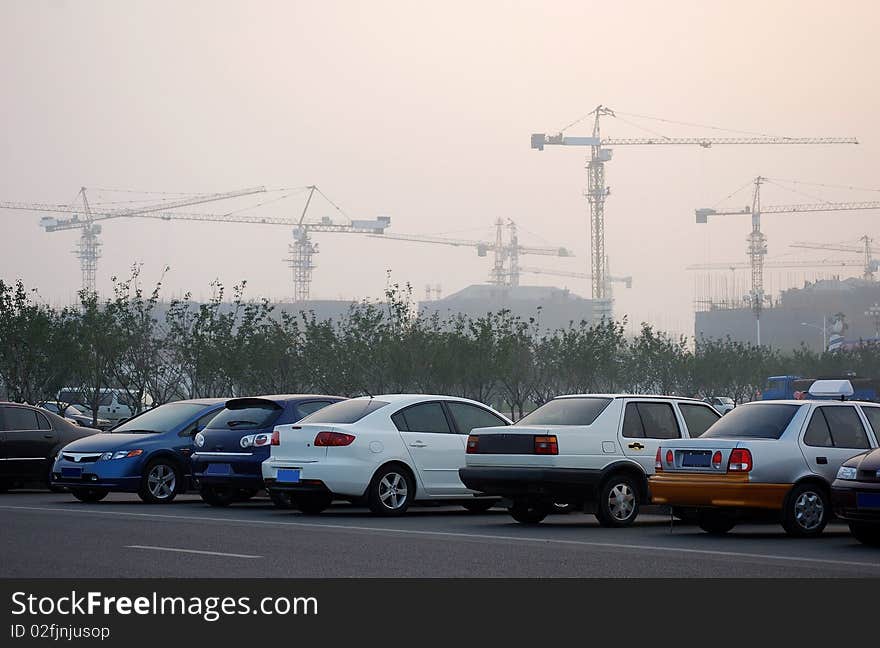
388	451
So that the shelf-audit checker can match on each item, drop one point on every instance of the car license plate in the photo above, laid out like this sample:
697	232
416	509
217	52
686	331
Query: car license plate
696	459
288	475
868	500
74	473
219	469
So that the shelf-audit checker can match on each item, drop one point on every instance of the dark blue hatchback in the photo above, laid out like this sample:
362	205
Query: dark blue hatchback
230	451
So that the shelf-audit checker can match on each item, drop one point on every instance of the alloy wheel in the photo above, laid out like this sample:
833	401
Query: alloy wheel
392	490
161	481
621	501
809	510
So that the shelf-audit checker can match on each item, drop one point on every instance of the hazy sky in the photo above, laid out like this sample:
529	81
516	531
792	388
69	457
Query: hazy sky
423	111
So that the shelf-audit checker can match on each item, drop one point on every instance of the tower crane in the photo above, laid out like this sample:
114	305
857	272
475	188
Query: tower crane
600	153
609	278
866	250
87	220
505	269
757	241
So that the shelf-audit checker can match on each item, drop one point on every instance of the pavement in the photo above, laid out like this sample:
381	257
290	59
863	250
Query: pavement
53	535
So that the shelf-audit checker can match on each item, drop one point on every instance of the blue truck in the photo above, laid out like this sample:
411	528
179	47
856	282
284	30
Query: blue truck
788	387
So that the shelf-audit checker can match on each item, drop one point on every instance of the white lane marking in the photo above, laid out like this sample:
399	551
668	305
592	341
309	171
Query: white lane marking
191	551
457	534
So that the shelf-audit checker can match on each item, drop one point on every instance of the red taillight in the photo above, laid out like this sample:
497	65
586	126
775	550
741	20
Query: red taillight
546	445
658	465
276	438
669	457
334	439
716	459
740	460
473	444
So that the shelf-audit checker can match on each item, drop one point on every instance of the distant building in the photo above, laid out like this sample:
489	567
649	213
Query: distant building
553	308
799	315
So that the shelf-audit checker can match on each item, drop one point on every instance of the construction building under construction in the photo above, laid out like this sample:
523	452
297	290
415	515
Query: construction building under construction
817	314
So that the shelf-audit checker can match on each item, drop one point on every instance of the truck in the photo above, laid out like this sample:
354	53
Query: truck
794	387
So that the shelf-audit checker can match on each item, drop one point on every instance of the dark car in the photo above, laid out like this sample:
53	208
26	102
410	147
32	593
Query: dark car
230	451
855	496
149	454
29	440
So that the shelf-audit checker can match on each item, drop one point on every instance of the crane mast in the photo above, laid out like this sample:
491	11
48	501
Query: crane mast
867	250
597	191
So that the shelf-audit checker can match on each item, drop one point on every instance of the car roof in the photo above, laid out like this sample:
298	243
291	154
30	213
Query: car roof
408	398
198	401
807	401
682	398
286	398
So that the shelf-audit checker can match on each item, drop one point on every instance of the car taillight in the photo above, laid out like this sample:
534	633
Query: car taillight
473	444
669	457
716	459
334	439
276	438
740	460
545	445
658	465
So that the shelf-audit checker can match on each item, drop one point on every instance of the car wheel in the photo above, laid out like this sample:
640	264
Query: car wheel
312	503
618	504
529	511
806	511
715	522
391	491
89	494
217	495
161	482
244	494
479	506
866	533
282	499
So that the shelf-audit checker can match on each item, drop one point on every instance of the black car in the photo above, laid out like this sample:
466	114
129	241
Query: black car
30	438
855	496
231	450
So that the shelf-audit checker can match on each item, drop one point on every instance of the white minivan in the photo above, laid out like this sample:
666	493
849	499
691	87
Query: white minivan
114	405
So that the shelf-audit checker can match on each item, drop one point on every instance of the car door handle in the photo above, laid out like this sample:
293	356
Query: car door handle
821	460
418	444
47	436
636	446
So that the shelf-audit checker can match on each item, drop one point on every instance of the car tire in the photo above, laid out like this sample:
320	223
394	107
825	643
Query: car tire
282	499
618	504
89	495
312	503
715	522
529	511
244	494
217	495
806	511
161	481
479	506
391	491
866	532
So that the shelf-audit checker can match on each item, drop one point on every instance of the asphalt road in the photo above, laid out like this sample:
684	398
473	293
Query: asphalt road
53	535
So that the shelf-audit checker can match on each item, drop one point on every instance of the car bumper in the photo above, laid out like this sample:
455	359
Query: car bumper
525	481
844	500
342	476
243	470
716	491
115	474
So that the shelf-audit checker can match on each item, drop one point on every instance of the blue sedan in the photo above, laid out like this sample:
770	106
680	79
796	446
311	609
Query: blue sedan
149	454
230	451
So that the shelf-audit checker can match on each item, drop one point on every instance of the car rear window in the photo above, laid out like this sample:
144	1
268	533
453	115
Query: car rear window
566	411
350	411
246	415
759	421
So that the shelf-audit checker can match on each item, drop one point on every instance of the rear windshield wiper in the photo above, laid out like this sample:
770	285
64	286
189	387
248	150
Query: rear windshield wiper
135	431
235	423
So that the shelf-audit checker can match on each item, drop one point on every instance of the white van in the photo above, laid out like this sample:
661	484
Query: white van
115	405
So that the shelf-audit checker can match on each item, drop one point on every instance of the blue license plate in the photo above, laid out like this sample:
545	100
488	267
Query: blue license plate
868	500
699	459
219	469
288	475
74	473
